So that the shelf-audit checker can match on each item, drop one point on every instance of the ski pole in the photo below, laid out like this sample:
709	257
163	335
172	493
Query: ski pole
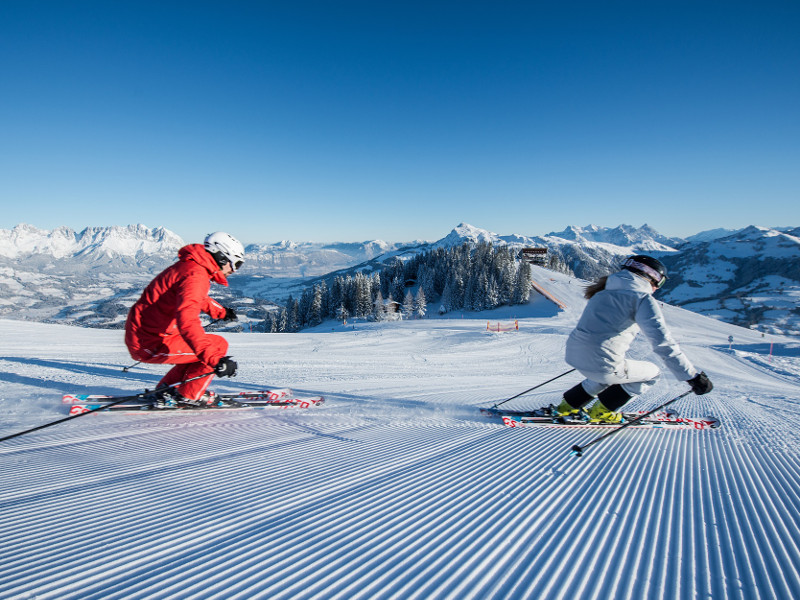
533	388
578	450
114	403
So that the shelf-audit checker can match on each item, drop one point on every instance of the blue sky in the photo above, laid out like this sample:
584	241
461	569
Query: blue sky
347	121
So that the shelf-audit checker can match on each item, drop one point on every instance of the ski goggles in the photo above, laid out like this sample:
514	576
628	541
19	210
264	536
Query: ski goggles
657	278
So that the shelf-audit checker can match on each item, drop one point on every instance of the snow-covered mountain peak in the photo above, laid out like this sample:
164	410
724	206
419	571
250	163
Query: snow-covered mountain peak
710	234
575	233
128	241
285	245
750	276
26	239
132	242
466	233
626	237
755	241
63	242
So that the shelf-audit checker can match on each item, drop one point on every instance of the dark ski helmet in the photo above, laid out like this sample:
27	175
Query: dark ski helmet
647	266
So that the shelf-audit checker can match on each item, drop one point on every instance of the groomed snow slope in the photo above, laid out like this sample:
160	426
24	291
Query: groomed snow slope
397	487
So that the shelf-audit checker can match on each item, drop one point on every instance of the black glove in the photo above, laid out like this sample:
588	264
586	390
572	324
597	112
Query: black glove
701	384
226	367
230	314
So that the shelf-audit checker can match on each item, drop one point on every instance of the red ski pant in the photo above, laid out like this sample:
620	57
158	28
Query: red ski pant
174	350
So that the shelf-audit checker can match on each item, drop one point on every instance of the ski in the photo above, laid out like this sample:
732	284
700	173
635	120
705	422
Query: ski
657	420
278	398
140	406
262	395
541	416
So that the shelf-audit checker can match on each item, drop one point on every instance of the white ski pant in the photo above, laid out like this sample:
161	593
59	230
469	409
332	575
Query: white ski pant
635	376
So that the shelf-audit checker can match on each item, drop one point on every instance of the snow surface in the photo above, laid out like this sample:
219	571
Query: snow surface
397	487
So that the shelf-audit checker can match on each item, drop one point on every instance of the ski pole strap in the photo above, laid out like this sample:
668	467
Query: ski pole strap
578	450
534	387
114	403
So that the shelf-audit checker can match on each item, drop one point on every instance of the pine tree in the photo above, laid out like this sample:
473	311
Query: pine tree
304	308
398	286
315	307
472	295
336	294
292	315
447	298
324	301
408	305
363	296
492	295
522	284
378	310
342	314
421	305
425	279
349	295
481	292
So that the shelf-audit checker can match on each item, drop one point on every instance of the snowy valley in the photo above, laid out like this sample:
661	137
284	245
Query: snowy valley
749	277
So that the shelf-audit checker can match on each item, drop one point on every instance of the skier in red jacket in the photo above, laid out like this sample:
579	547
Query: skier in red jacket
164	325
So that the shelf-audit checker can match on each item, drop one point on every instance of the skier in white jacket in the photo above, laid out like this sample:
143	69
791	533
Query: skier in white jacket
620	306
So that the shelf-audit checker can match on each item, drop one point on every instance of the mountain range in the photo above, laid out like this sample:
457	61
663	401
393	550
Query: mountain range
749	277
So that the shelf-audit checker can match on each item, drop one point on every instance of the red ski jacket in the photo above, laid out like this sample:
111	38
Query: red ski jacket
172	303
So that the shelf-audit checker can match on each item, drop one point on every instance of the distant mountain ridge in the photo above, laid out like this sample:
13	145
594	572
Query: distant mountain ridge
26	241
308	259
750	276
643	238
141	246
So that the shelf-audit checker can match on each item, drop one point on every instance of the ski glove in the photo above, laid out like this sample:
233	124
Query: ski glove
230	314
226	367
701	384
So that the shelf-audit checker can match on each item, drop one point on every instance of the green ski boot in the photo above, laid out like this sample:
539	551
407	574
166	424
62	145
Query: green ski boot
598	413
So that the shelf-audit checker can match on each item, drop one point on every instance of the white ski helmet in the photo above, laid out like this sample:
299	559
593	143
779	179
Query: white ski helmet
225	249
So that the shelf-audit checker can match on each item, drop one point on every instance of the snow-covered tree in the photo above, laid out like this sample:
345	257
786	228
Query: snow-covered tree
447	298
522	284
363	296
315	308
420	305
467	277
342	314
378	309
408	305
292	315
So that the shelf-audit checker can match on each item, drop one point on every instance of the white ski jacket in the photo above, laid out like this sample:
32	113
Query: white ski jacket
610	322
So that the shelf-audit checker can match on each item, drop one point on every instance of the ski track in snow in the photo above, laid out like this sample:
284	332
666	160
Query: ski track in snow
397	487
